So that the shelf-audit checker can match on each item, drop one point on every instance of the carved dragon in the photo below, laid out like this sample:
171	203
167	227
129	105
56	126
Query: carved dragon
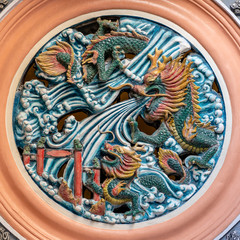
121	164
174	103
60	58
111	45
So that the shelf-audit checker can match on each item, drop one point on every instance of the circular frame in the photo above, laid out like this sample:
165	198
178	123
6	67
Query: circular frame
34	218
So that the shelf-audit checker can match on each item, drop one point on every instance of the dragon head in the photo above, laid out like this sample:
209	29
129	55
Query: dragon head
108	24
166	84
152	79
119	161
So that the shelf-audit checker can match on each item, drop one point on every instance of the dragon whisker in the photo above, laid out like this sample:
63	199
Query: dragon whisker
106	133
121	86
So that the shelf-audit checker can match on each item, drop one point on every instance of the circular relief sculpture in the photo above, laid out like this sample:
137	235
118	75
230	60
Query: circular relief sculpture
120	120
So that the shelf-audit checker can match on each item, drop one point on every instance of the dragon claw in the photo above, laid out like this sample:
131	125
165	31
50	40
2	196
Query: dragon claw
121	184
118	188
133	213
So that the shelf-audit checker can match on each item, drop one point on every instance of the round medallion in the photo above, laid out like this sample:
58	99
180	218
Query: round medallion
121	119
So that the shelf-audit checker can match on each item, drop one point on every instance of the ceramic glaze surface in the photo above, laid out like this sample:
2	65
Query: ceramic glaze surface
122	75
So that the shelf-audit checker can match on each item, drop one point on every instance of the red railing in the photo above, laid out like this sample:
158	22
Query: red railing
43	152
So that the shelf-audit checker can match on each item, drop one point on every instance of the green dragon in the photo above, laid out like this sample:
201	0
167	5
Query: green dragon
174	103
106	44
109	46
121	164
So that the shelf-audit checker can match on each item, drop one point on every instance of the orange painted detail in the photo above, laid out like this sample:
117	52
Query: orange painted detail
40	161
99	208
58	153
189	129
78	176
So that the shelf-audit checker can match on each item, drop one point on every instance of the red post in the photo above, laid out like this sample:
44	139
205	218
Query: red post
78	171
26	155
40	155
40	161
96	179
26	159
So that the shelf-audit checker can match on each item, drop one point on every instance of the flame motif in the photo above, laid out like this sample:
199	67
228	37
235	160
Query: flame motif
57	60
171	163
164	156
189	131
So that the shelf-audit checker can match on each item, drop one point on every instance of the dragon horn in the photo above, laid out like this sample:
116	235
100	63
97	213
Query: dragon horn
121	86
106	133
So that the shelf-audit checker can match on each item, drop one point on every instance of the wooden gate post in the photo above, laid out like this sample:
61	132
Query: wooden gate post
26	155
40	155
78	170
